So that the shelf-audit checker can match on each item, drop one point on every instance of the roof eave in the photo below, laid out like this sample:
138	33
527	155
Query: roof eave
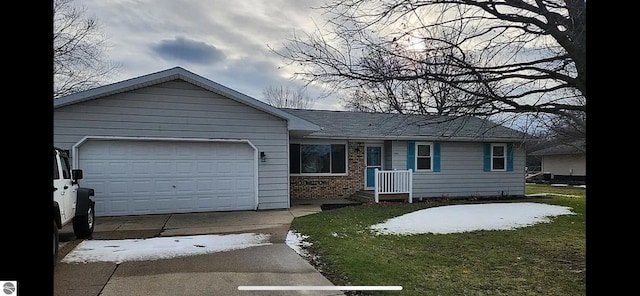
419	138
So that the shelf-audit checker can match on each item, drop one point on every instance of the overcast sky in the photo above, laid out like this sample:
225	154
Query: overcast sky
224	41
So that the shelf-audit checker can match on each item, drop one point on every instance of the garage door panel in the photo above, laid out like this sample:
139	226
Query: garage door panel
160	187
244	200
224	166
186	202
185	167
224	185
185	187
244	184
117	206
244	168
144	177
100	206
118	168
159	150
226	202
164	204
205	167
143	205
115	187
141	167
204	185
97	167
119	150
204	202
162	168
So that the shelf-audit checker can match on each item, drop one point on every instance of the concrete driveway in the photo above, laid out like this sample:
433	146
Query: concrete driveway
220	273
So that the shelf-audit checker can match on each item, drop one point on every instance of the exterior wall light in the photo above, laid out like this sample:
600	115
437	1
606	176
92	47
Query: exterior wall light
263	157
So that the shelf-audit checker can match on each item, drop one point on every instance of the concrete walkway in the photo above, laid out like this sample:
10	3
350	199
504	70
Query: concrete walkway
212	274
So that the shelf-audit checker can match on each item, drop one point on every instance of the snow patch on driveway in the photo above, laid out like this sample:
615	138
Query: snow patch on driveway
297	242
119	251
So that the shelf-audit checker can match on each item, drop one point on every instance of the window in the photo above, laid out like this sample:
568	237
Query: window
498	157
66	168
423	156
318	158
56	173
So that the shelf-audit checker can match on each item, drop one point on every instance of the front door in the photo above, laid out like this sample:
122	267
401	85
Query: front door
373	158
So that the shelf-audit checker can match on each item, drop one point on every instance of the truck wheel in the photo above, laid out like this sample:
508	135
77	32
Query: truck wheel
83	225
56	240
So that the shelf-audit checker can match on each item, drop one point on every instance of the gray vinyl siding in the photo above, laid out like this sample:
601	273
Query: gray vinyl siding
462	172
399	155
177	109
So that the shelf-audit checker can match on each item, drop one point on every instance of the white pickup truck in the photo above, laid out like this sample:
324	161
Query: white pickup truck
71	203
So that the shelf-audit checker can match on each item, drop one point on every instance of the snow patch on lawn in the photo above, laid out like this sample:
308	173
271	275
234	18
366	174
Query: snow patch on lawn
464	218
297	242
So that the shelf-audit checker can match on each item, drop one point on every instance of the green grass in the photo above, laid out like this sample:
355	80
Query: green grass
543	259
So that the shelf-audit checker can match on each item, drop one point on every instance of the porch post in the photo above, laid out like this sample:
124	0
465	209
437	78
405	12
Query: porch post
375	185
410	186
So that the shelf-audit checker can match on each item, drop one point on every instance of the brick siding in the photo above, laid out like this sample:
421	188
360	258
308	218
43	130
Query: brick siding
308	187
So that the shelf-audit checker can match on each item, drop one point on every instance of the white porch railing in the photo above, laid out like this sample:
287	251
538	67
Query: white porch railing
393	182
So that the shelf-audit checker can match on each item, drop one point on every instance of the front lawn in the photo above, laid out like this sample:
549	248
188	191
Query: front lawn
543	259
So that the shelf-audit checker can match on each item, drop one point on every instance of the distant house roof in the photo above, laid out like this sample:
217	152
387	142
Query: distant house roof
175	73
364	125
575	148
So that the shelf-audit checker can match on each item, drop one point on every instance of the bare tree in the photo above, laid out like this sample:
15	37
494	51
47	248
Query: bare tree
414	96
500	56
79	62
287	97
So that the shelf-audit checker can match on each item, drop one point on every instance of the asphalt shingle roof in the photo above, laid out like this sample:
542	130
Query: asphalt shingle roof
364	125
574	148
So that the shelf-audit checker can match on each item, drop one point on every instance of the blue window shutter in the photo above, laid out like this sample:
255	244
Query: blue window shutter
411	155
436	157
486	156
509	157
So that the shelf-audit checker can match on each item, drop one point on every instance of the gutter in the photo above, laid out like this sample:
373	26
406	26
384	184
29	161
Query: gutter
421	138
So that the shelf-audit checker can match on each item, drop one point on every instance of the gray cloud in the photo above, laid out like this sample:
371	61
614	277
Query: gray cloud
251	77
225	43
193	51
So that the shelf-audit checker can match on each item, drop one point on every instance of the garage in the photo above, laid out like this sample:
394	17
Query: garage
133	176
173	141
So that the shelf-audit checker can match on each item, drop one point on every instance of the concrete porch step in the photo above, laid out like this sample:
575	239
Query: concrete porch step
367	196
364	196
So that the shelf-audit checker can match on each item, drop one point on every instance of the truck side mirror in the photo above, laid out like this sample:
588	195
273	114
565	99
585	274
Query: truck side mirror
76	174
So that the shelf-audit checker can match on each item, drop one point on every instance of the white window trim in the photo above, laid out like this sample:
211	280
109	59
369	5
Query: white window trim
346	159
430	144
504	146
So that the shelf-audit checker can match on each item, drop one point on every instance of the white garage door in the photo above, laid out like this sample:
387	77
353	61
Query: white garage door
133	177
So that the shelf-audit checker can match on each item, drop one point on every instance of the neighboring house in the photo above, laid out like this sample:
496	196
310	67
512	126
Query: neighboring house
173	141
564	161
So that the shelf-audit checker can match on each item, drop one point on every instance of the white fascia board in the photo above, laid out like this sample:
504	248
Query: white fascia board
118	87
415	138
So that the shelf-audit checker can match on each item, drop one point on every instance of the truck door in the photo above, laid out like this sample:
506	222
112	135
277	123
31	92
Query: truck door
63	187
